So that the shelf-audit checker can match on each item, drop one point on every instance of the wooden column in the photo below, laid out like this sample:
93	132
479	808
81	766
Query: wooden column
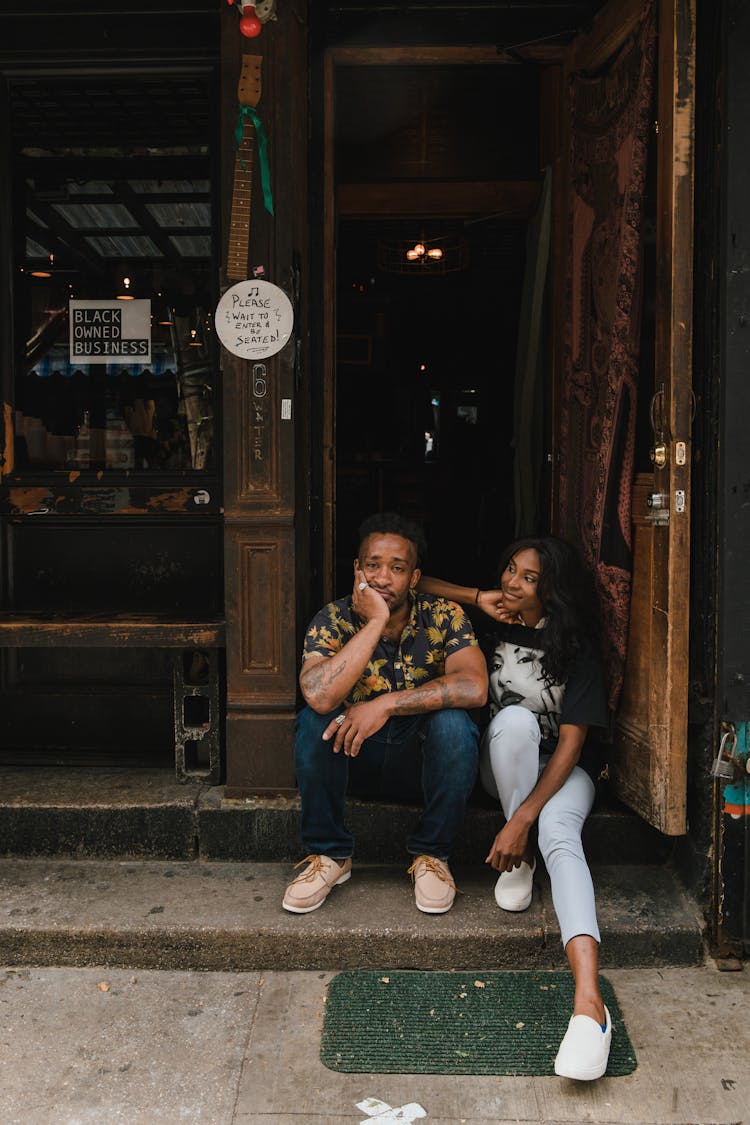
260	412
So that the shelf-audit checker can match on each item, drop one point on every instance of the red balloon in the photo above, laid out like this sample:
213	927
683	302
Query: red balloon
250	26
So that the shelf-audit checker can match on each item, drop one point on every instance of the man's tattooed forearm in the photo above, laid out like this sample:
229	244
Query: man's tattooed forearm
320	676
436	696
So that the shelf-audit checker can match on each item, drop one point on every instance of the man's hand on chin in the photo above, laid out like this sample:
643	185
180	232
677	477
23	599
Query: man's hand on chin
366	602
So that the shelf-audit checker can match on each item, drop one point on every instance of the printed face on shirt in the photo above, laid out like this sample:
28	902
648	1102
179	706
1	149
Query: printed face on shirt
389	564
519	582
516	679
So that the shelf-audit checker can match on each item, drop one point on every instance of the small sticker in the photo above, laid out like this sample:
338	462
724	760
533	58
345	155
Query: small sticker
286	409
202	497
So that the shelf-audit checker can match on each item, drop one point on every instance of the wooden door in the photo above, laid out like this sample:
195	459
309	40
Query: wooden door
265	428
648	767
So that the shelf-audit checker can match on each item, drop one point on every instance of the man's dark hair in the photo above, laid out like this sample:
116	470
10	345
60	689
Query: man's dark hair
391	523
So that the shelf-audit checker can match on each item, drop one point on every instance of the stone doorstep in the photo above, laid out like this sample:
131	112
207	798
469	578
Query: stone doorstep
111	813
228	916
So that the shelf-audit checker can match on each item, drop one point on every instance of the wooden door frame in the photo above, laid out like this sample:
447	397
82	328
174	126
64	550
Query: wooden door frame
666	779
265	432
657	788
660	793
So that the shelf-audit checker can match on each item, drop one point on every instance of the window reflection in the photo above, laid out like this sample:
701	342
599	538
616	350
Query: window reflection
113	416
114	203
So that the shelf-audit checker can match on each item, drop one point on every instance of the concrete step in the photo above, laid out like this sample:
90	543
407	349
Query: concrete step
150	914
146	813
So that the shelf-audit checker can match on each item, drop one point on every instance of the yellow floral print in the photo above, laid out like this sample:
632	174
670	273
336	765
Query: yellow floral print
435	629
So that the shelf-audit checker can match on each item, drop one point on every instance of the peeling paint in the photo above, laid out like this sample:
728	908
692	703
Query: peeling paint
737	793
27	501
103	500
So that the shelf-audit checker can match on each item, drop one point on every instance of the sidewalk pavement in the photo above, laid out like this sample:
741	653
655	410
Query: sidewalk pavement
97	1045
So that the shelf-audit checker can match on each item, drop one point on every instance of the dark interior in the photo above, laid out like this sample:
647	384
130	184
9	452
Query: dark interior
431	344
114	197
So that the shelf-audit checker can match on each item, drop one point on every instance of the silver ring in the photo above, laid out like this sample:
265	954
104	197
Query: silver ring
362	586
339	720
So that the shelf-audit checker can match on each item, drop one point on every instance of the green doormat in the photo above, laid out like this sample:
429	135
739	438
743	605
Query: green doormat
456	1023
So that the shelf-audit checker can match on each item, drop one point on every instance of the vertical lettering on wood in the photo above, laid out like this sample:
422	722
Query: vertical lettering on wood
259	421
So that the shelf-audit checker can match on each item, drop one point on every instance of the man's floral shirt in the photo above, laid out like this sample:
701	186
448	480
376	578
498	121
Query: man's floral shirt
435	629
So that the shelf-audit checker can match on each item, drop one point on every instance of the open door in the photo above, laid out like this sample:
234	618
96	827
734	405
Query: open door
648	766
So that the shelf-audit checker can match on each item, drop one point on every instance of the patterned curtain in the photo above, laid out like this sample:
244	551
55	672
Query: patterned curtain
610	118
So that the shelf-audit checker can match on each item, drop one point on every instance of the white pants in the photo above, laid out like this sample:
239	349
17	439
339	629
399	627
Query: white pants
510	765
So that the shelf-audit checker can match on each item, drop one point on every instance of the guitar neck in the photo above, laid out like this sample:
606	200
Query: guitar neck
239	224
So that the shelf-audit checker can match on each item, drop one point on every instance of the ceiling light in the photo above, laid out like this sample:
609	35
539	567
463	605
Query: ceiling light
45	273
126	295
426	257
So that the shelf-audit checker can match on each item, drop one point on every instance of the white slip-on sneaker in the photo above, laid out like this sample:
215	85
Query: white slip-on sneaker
514	888
584	1051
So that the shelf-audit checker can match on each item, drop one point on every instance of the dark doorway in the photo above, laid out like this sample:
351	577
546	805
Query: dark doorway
425	385
436	181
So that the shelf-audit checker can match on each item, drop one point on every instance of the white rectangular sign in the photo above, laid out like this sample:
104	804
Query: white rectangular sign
110	332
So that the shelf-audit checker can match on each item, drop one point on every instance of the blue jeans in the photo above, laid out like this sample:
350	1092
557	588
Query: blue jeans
430	759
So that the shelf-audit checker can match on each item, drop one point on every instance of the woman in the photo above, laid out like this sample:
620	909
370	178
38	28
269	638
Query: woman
546	691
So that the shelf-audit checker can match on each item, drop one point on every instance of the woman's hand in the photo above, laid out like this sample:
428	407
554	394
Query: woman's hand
492	603
510	847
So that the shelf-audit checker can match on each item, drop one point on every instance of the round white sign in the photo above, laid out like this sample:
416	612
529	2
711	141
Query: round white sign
254	319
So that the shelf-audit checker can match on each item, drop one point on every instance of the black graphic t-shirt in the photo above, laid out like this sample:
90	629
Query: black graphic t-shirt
516	678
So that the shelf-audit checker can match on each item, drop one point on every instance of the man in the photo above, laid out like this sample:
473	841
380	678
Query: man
387	676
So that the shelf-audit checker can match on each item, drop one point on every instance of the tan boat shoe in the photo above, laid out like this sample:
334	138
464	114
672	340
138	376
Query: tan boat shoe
434	889
313	885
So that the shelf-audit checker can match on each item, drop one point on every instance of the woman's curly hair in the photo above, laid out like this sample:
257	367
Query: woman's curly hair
569	602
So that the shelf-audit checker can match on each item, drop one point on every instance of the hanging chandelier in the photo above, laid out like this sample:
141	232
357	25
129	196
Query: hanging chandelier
423	256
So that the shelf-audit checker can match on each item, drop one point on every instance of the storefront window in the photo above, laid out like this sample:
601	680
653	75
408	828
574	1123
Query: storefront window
113	206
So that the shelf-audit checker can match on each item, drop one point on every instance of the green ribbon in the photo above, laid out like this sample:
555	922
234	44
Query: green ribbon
246	111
